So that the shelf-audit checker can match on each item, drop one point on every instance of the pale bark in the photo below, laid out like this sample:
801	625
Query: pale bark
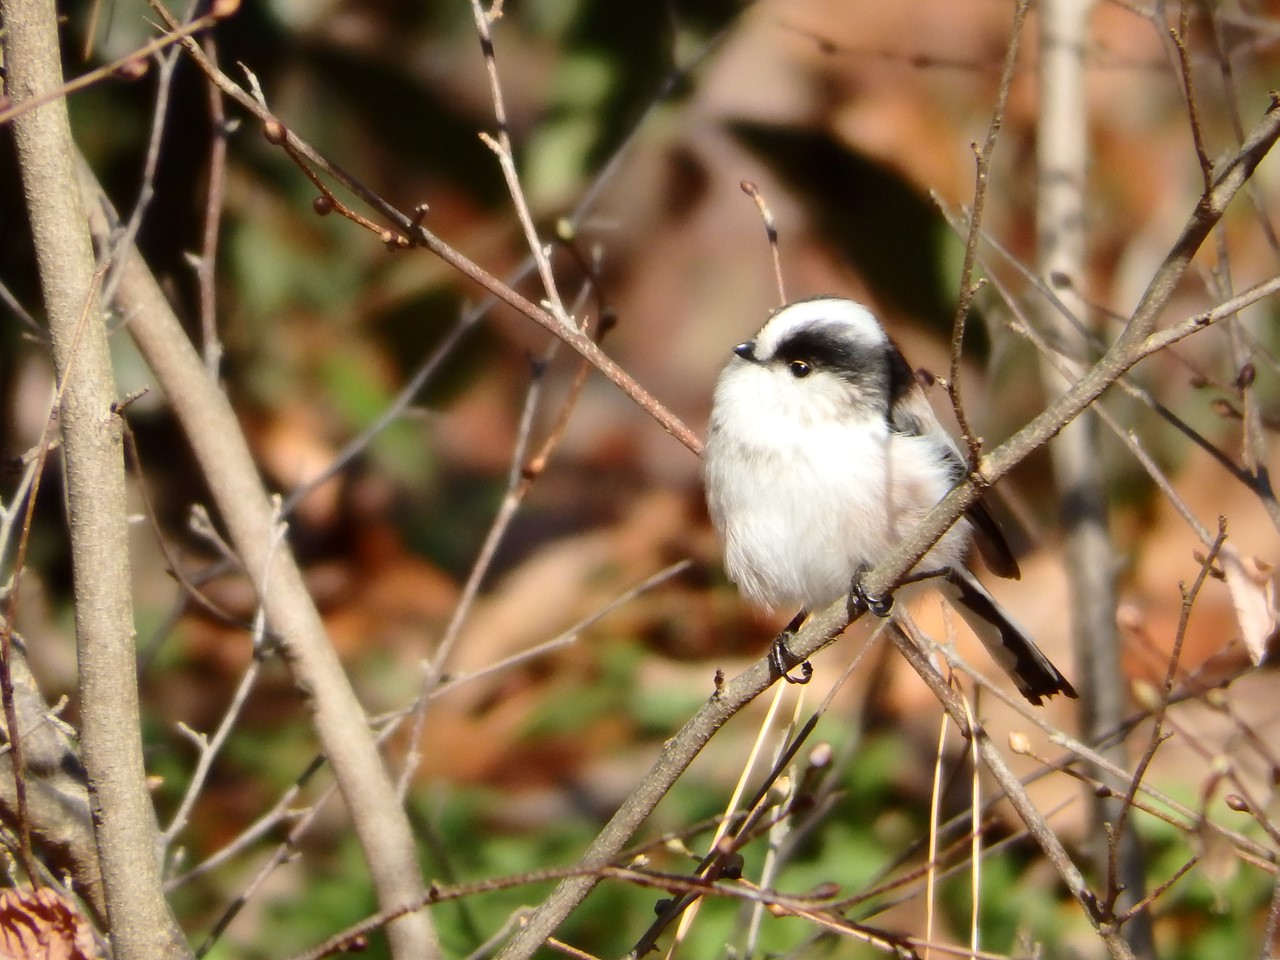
141	925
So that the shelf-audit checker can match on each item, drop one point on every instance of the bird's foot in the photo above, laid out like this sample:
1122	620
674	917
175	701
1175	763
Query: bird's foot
780	658
859	600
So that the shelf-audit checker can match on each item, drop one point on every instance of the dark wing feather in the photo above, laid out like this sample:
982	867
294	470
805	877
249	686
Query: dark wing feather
992	545
904	394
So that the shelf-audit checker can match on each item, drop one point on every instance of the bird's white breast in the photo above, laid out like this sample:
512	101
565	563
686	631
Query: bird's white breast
804	492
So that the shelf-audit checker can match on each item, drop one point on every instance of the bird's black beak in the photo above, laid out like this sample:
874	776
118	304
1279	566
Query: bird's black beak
747	351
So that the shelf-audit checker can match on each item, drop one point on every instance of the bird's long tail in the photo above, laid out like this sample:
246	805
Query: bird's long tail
1007	643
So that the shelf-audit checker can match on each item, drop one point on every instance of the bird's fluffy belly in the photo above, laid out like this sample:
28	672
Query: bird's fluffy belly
807	513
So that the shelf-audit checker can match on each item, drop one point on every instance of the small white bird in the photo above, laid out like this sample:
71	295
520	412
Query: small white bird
822	454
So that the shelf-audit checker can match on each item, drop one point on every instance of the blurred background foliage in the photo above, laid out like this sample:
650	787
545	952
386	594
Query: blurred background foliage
856	119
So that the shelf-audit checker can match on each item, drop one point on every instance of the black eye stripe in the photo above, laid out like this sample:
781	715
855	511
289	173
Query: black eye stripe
824	350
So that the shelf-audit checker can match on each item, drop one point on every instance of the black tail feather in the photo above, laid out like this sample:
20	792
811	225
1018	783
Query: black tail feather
1032	672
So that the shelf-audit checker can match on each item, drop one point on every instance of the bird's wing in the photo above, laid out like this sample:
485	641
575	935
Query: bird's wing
992	545
910	414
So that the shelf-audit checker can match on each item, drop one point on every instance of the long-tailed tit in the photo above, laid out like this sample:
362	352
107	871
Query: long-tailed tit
823	452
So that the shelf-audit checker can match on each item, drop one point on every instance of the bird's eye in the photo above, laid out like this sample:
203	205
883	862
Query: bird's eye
799	369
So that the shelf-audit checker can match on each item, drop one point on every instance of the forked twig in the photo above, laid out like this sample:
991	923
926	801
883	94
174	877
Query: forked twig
501	147
406	227
967	287
1114	833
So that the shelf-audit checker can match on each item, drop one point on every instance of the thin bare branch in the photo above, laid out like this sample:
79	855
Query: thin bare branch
1043	834
501	146
1116	875
967	286
167	62
206	261
411	228
220	447
209	747
1137	340
770	232
177	35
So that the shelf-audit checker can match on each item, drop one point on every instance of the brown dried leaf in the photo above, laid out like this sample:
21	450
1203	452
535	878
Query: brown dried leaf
42	925
1253	594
